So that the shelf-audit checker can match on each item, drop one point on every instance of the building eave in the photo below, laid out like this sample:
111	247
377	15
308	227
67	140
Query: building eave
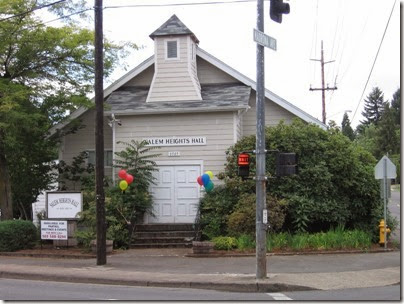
268	94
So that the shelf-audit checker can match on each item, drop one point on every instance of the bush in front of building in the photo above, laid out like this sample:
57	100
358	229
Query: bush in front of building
16	235
242	219
335	185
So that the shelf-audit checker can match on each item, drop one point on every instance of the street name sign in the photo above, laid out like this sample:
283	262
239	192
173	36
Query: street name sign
264	40
390	169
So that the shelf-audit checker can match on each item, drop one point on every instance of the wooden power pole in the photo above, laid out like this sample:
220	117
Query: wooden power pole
99	134
323	88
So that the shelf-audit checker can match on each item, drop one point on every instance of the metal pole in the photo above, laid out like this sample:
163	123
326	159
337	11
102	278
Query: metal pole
99	135
322	83
261	267
385	201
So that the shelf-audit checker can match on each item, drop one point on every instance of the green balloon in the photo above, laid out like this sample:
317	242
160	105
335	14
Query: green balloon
209	187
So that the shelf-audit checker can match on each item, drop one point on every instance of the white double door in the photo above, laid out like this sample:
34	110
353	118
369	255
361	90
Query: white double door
176	194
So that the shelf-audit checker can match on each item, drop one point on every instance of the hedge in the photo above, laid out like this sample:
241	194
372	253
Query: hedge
17	234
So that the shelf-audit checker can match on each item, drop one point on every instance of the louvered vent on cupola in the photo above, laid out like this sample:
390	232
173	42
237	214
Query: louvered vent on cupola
175	74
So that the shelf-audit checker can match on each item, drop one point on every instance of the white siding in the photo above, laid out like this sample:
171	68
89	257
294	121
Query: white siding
144	79
174	79
273	115
218	128
84	139
209	74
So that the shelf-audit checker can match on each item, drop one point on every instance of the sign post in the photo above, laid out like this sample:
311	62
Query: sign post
385	169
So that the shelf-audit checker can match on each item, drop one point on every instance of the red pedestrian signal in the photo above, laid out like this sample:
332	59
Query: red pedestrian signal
243	162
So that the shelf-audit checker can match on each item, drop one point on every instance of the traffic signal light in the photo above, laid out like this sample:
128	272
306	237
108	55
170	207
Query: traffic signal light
286	164
243	162
277	9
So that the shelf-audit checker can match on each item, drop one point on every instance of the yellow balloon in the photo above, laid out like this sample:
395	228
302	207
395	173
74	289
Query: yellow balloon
209	173
123	184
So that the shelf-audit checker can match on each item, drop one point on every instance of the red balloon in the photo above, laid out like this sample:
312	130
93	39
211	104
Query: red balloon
129	178
199	180
122	174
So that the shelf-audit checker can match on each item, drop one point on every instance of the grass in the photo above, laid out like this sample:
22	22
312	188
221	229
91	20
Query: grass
334	239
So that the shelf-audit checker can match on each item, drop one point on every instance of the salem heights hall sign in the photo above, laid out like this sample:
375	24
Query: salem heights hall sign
63	205
176	141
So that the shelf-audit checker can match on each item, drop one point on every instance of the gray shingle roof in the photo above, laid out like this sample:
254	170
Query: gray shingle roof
132	100
173	26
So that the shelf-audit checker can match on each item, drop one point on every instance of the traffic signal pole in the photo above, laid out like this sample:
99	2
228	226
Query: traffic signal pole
260	229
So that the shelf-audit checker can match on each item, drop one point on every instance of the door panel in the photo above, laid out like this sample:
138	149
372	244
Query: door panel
176	194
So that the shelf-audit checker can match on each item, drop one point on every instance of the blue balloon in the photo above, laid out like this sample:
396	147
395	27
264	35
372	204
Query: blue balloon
205	179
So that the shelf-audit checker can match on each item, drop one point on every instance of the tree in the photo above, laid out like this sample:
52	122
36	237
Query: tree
346	127
396	106
335	184
387	137
374	106
44	71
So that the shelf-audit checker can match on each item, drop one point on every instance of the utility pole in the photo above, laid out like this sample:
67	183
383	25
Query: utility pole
260	229
99	134
323	89
277	9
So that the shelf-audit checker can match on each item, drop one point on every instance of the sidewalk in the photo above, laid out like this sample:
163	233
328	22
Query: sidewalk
172	268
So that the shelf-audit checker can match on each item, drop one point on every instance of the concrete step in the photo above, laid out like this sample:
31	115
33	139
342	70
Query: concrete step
163	236
161	245
157	234
162	240
165	227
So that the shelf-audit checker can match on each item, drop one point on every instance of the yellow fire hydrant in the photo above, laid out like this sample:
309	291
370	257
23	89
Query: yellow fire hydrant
381	234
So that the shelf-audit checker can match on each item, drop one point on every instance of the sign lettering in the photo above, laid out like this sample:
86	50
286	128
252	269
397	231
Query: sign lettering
176	141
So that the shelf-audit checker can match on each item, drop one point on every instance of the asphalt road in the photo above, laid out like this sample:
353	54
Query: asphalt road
25	290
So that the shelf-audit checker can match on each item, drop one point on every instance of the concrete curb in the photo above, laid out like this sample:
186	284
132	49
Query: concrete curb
197	255
238	286
233	254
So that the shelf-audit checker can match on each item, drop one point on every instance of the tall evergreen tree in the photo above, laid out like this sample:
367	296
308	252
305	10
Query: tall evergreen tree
346	127
374	106
396	106
387	135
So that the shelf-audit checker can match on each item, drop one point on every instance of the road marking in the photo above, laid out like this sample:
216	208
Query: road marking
279	297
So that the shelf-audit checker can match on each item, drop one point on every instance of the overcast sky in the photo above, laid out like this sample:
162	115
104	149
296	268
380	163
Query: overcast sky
352	31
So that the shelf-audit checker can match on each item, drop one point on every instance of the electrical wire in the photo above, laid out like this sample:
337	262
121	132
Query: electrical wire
32	10
374	61
180	4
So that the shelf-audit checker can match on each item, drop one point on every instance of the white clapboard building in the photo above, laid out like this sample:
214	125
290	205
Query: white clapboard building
187	102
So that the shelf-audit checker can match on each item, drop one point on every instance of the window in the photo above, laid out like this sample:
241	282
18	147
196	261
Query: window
107	158
172	51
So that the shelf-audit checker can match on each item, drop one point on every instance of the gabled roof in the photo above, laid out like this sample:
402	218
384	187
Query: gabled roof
215	62
173	26
268	94
222	97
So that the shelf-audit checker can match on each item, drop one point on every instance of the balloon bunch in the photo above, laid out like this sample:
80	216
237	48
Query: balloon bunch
127	179
205	180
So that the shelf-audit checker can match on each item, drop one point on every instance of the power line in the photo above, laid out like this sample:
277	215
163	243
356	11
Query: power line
374	61
32	10
181	4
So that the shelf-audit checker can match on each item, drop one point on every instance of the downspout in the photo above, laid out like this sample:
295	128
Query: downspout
112	124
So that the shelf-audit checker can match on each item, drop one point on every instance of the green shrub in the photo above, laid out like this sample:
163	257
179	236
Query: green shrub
245	242
335	184
224	243
214	209
17	235
242	220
